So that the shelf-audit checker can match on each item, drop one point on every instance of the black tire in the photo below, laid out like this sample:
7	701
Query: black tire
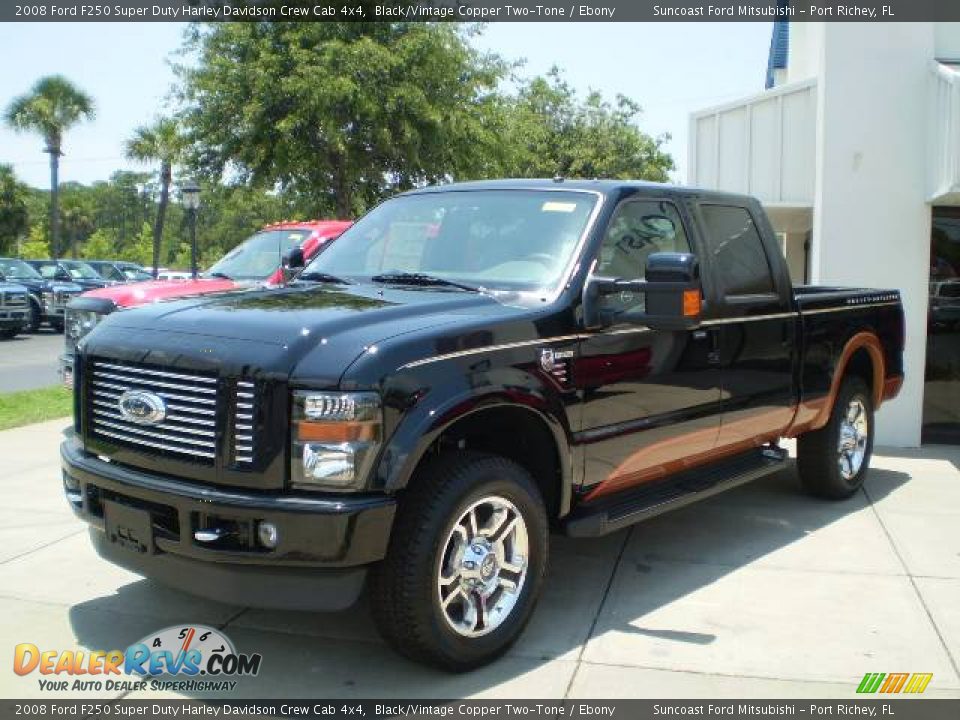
404	587
35	318
8	333
818	452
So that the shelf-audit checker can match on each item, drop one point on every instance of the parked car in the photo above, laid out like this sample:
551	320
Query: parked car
120	271
256	260
77	272
945	304
14	308
466	368
173	275
48	298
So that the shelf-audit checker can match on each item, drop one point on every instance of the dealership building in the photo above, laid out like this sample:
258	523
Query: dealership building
854	149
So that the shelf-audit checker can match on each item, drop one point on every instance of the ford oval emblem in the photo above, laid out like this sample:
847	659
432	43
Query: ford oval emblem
142	407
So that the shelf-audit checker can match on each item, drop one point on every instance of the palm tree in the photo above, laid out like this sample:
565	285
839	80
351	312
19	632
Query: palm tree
52	107
161	142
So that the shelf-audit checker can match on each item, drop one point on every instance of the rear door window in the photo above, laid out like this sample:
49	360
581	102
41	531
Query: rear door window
738	254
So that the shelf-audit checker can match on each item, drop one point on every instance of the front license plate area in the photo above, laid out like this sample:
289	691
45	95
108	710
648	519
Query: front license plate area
128	527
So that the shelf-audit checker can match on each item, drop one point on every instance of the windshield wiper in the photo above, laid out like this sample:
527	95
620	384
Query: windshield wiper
323	277
219	275
410	278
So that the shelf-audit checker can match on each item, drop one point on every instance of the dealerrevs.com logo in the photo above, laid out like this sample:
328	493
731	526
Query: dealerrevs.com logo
179	658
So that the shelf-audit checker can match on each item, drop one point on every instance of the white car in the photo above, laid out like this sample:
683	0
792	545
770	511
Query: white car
173	275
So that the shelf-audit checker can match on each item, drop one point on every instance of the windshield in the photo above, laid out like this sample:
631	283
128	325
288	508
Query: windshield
81	271
496	239
259	256
18	269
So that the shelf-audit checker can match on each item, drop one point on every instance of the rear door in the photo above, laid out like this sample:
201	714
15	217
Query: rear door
754	329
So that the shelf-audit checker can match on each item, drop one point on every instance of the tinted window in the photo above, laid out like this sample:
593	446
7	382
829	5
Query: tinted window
638	229
738	253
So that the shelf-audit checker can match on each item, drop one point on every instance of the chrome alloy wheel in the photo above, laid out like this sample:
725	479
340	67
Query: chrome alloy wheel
483	566
852	446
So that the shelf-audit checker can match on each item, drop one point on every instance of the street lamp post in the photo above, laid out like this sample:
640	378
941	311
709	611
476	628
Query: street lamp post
190	197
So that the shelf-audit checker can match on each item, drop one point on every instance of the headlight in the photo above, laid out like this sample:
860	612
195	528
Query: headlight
77	324
47	297
336	437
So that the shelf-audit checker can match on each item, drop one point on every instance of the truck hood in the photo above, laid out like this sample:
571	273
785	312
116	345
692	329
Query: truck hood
149	291
278	328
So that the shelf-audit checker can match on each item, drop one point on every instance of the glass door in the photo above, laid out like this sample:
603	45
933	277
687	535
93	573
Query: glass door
941	396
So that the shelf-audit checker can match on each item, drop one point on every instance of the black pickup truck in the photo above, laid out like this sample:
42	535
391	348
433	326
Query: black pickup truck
468	368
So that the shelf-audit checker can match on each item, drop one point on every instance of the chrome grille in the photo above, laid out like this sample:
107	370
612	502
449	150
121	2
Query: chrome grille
13	301
243	426
62	297
189	428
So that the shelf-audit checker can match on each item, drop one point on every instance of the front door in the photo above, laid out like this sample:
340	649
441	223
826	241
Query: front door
651	399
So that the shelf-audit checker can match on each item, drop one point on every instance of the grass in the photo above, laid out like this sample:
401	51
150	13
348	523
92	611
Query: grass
33	406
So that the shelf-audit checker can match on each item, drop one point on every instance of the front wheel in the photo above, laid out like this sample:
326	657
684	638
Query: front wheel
34	318
833	460
466	562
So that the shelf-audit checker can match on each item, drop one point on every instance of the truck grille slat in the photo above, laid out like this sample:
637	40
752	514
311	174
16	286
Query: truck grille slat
144	371
154	383
244	433
189	428
143	386
171	406
172	426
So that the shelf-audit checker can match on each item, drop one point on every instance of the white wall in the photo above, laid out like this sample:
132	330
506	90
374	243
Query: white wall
762	145
947	39
871	224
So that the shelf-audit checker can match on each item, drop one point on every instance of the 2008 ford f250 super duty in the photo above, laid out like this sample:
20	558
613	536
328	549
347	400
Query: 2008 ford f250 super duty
466	368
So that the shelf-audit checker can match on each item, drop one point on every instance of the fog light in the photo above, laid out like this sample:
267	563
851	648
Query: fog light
268	534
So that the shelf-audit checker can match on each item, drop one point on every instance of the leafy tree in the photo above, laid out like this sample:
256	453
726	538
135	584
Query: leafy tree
37	247
162	143
342	113
52	107
550	131
14	216
100	245
76	215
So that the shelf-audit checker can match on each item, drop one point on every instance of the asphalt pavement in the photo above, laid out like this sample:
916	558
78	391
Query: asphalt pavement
760	592
30	361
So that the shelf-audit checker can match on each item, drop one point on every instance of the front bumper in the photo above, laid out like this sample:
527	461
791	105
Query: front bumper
147	523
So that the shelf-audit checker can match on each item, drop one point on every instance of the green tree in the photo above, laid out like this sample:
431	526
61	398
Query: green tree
37	246
76	215
52	107
342	113
100	245
14	216
162	143
550	131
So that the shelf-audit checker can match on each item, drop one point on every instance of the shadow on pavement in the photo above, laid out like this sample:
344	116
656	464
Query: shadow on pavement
339	655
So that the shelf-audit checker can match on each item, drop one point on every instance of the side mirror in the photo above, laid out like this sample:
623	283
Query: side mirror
292	263
670	295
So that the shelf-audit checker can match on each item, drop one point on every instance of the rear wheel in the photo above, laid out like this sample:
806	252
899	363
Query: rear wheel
833	461
466	562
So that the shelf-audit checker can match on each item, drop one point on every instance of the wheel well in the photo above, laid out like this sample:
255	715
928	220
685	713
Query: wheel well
861	365
514	433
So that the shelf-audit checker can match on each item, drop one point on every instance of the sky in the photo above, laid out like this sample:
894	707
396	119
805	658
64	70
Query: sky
671	69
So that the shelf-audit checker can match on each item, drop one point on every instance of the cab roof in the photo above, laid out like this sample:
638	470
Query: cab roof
603	186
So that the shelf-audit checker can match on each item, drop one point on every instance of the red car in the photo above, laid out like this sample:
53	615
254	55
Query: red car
256	260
